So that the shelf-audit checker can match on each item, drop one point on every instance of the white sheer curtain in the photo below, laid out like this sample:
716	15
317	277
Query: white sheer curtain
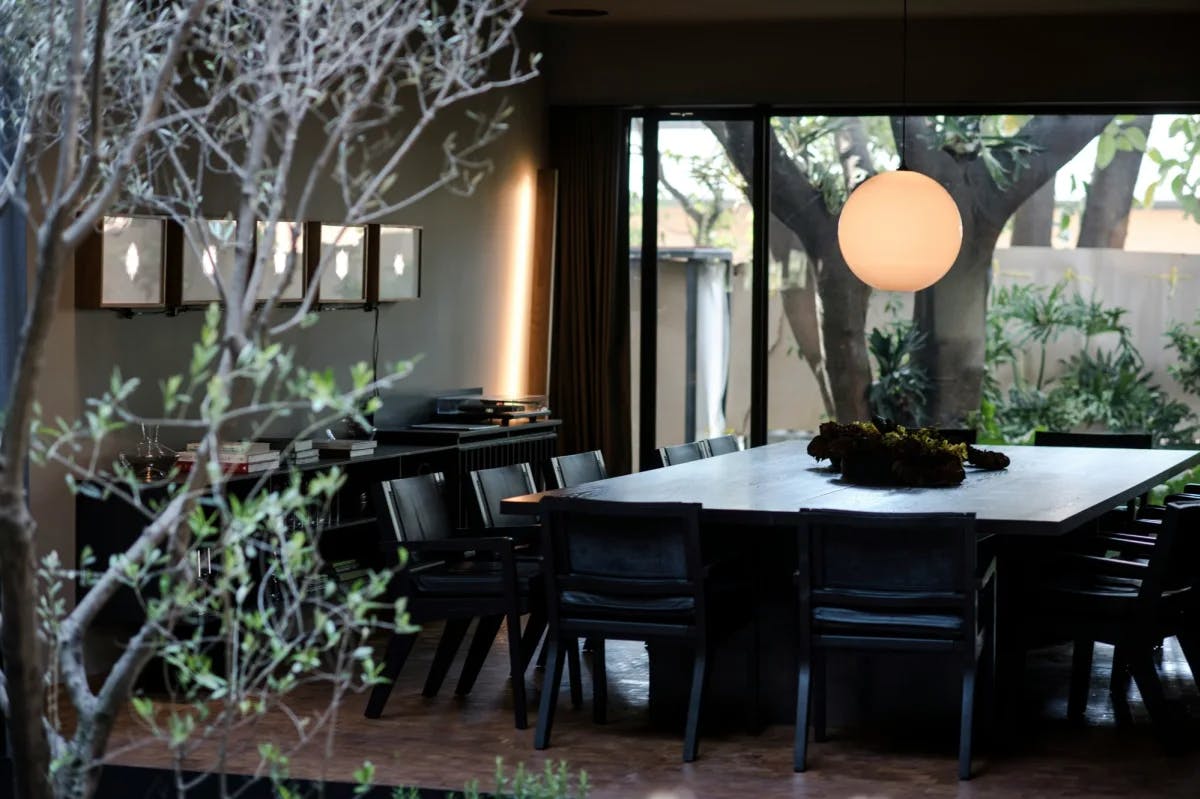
712	347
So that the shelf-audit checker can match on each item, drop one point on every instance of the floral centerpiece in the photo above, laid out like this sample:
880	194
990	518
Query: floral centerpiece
880	452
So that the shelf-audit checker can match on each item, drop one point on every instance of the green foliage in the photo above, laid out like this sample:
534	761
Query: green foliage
555	781
1180	174
1106	388
1174	486
900	389
994	139
1185	340
240	604
1118	136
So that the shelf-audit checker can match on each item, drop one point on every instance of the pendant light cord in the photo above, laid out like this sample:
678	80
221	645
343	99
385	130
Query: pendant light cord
904	86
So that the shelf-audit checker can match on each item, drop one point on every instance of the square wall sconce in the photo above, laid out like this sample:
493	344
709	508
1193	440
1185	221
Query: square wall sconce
122	265
288	247
394	263
206	254
342	259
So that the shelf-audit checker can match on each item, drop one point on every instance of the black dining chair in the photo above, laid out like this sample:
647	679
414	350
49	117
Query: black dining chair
453	579
681	453
872	582
568	471
959	435
633	571
1050	438
492	487
721	445
1132	605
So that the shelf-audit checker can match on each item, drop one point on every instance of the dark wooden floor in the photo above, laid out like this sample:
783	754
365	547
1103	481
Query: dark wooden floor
444	742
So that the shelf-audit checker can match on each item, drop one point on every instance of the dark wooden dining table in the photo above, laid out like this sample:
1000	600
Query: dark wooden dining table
750	500
1044	491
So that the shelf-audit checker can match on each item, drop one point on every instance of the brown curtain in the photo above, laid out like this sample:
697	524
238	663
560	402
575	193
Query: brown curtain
589	360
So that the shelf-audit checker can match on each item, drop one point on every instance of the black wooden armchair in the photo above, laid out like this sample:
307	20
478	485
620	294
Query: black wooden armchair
455	579
568	471
681	453
1133	605
631	571
721	445
890	582
492	487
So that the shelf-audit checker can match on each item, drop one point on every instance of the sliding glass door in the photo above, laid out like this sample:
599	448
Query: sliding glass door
692	228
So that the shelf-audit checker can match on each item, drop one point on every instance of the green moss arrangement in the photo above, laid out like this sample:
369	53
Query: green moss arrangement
880	452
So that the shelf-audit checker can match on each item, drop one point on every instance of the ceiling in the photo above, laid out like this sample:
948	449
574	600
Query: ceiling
700	11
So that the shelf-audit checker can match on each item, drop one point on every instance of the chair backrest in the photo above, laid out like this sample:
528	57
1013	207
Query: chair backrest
959	435
681	453
413	508
1174	563
621	553
492	486
887	561
722	445
568	471
1046	438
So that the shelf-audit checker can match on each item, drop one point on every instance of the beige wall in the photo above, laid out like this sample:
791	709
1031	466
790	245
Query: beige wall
461	325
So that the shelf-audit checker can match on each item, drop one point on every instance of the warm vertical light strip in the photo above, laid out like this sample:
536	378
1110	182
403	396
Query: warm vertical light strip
515	353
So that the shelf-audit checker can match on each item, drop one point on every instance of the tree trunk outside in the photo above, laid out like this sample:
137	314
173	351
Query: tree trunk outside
22	657
800	310
1105	219
843	318
952	313
1033	223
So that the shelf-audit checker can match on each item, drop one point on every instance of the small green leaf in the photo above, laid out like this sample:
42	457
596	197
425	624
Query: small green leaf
1106	150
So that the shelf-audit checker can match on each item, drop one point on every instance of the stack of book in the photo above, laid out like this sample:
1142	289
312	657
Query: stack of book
239	457
347	571
298	451
344	448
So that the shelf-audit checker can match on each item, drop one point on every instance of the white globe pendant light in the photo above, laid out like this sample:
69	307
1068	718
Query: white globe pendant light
900	231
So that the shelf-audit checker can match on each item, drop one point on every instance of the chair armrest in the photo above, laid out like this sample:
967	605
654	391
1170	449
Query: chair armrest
1128	541
988	576
524	535
1112	567
498	544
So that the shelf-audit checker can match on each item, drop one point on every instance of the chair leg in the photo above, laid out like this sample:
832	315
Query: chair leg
1189	642
481	644
516	663
398	648
574	673
452	636
803	700
541	737
541	661
818	700
753	712
534	629
1081	678
967	724
699	678
1145	674
1118	688
599	682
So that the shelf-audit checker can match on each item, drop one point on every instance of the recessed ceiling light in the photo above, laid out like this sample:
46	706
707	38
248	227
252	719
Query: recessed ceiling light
577	13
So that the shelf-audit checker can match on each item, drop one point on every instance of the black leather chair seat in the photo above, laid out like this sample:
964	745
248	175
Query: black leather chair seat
861	622
1107	598
472	578
673	609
